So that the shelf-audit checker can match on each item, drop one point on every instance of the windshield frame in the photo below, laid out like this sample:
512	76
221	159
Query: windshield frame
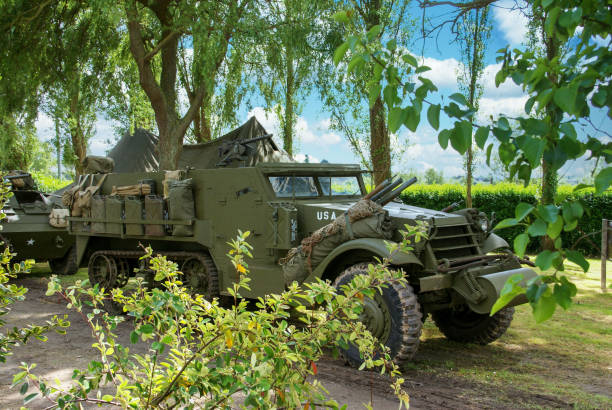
316	175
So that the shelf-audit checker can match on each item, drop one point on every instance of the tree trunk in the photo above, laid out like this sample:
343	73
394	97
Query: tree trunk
58	147
468	179
380	146
79	142
289	113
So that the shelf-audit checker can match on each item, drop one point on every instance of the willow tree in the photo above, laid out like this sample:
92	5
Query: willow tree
474	31
155	29
388	21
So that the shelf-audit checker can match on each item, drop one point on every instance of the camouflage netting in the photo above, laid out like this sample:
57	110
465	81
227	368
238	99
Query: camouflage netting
366	219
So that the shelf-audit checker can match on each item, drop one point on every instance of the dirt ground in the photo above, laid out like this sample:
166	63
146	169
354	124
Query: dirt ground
444	375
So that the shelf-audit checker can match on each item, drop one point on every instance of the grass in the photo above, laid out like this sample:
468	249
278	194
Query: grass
568	357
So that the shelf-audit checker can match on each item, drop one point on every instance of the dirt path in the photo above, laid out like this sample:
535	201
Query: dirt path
428	389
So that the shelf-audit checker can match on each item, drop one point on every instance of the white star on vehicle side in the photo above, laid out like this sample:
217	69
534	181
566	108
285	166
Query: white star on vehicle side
30	242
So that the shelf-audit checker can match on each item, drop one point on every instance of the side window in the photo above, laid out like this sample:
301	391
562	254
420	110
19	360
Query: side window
340	186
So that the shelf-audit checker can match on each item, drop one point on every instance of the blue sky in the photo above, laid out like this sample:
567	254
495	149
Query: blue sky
319	142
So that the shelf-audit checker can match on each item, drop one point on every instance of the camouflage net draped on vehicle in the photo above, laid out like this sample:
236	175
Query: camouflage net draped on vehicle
366	219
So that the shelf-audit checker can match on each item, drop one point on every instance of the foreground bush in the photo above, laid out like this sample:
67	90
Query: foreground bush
203	355
503	198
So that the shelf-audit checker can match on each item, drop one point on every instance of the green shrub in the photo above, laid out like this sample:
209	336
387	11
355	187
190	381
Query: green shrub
47	183
502	199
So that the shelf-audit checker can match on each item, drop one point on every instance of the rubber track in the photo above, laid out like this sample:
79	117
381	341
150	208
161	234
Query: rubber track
495	327
404	299
204	257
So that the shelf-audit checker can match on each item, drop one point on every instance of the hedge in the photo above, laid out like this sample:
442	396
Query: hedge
502	199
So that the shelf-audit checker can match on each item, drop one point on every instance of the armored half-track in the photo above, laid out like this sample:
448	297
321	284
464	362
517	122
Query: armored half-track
455	275
35	226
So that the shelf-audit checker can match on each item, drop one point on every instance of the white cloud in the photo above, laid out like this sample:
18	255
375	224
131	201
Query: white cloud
302	158
506	89
510	106
305	132
443	73
511	22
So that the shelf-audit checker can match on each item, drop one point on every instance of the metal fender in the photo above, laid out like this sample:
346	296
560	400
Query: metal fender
493	242
81	246
373	245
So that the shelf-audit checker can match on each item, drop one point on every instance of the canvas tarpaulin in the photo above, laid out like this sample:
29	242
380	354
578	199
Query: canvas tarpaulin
137	152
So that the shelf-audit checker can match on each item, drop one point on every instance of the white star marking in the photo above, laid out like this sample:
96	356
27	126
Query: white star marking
30	242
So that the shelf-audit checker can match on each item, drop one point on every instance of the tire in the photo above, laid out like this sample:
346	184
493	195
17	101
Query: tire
201	276
467	326
66	265
400	308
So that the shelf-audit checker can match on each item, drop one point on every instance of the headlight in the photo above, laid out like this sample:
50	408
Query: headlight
483	222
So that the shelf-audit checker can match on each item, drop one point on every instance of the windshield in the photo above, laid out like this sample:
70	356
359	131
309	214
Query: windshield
336	186
286	186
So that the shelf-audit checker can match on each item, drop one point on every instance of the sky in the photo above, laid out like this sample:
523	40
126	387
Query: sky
317	141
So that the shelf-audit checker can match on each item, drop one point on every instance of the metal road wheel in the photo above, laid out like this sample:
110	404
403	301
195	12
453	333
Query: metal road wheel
393	317
466	326
123	272
201	275
102	270
66	265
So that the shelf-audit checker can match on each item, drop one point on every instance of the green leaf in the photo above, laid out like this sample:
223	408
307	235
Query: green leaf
461	137
533	148
410	60
395	118
602	180
356	60
460	98
340	52
520	244
29	398
433	115
422	69
411	118
554	229
133	337
522	210
506	153
341	17
543	308
489	151
503	124
565	98
392	44
443	138
537	228
544	259
506	223
146	329
578	259
481	136
548	212
107	397
24	388
510	290
373	32
568	129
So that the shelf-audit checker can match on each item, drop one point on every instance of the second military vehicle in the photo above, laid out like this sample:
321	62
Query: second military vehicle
314	219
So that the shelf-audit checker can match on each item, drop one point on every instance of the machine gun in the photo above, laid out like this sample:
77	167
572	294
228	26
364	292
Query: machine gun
388	190
20	180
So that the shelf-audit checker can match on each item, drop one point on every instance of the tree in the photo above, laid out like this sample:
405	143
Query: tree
380	19
562	90
432	176
155	29
473	34
17	142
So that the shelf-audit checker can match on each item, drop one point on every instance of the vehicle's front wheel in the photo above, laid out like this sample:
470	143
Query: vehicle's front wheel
393	317
67	265
466	326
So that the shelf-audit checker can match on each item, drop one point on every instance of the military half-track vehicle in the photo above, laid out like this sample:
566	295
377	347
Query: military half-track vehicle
455	275
35	226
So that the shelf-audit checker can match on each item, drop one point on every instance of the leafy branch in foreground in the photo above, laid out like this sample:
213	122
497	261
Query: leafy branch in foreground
11	293
200	354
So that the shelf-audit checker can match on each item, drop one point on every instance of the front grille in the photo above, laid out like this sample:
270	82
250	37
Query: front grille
453	241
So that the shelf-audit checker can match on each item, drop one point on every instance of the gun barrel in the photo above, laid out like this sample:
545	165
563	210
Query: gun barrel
395	193
386	189
16	176
376	190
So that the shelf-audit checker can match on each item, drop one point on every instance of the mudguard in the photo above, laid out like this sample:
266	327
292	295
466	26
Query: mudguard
493	242
375	246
